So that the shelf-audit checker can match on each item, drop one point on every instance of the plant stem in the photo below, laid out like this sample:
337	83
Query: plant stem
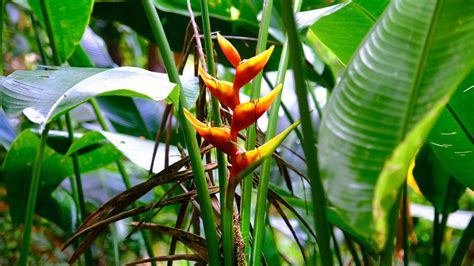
311	154
259	230
75	161
463	245
405	225
80	191
31	206
124	174
226	220
437	251
352	249
387	253
210	229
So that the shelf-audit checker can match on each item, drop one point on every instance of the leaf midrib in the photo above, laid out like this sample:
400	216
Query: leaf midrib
420	70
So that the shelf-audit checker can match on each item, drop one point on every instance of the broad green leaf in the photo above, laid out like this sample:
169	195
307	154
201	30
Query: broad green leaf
68	20
139	151
452	136
394	172
43	95
59	208
390	94
17	170
343	27
433	180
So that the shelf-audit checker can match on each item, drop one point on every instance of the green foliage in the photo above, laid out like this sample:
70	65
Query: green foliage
398	76
67	20
389	95
452	136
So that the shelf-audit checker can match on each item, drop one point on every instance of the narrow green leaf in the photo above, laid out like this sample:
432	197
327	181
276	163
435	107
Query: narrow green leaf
390	94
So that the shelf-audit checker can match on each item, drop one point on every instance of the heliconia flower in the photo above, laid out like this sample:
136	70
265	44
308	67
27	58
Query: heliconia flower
243	163
248	69
247	113
222	90
229	50
217	136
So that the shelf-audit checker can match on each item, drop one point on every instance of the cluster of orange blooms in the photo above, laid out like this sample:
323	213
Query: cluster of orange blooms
244	114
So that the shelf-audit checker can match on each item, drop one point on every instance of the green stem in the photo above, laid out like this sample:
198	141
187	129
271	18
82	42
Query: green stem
75	161
463	245
227	222
405	225
210	229
437	252
31	206
259	231
318	194
387	253
123	172
352	249
77	176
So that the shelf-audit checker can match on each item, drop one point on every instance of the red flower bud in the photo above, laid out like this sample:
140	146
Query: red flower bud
247	113
222	90
217	136
248	69
229	50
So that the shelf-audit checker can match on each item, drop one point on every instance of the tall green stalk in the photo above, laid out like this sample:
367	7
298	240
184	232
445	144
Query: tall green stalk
34	188
77	177
210	229
317	190
226	214
463	245
262	193
31	206
252	139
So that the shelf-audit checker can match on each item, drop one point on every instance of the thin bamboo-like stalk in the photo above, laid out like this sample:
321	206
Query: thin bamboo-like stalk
30	207
226	220
207	215
75	160
250	145
318	194
463	245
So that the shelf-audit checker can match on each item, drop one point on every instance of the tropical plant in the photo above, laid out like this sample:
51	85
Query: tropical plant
374	117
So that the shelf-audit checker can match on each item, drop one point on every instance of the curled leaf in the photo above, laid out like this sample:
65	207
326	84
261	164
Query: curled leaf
217	136
222	90
247	113
229	50
248	69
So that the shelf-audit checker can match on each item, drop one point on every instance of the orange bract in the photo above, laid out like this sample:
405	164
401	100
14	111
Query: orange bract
249	68
246	114
229	50
222	90
217	136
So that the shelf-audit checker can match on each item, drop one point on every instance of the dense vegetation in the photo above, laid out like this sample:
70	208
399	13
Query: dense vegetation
243	132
